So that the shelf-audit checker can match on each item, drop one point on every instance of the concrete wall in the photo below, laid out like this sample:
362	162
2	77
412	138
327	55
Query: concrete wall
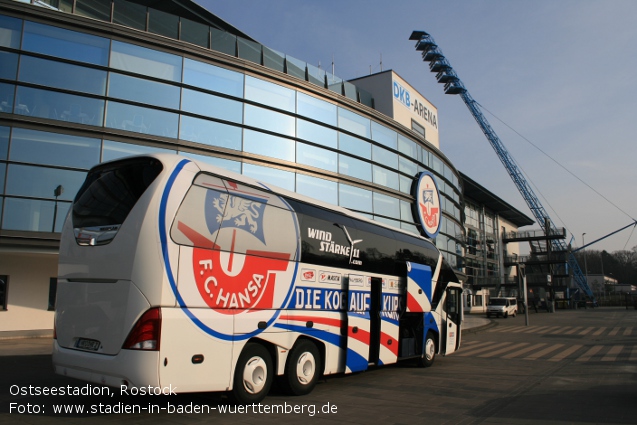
28	292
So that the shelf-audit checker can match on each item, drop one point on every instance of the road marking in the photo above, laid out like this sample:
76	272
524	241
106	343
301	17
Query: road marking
551	328
600	331
587	330
590	353
572	331
563	329
474	351
504	350
628	331
612	354
523	351
614	331
564	354
534	329
507	328
633	355
544	352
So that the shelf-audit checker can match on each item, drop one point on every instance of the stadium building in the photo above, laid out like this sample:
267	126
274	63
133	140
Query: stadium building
87	81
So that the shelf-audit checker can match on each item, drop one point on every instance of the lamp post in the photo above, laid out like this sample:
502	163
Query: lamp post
522	271
57	192
585	265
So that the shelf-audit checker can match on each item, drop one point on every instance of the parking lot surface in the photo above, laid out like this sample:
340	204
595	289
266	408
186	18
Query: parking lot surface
567	367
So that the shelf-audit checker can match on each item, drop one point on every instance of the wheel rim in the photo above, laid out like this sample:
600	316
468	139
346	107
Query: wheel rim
255	375
305	368
430	349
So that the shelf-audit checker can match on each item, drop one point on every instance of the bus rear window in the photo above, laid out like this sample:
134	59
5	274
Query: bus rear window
111	190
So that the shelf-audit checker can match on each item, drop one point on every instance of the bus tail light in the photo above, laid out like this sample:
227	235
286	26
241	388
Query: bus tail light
145	335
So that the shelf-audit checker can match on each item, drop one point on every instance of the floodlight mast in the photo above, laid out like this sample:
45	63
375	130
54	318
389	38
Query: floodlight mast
452	85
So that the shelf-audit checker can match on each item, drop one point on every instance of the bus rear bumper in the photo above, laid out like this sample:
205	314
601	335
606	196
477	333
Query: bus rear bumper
129	368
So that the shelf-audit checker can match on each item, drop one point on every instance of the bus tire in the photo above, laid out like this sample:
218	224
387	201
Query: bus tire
429	355
302	369
253	375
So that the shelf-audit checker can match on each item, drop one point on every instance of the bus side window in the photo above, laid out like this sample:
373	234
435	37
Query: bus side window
198	219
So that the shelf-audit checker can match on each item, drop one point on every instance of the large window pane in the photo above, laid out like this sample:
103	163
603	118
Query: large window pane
59	106
141	60
315	133
129	14
270	94
141	120
212	106
406	166
3	170
384	135
280	178
163	23
354	145
316	157
268	145
385	157
39	147
40	182
386	205
96	9
213	78
10	30
408	147
210	133
62	75
317	188
354	167
65	44
8	65
354	198
354	123
317	109
6	97
385	177
266	119
114	150
33	215
4	142
195	33
143	91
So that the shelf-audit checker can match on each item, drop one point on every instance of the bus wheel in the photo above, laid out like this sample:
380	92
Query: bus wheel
253	375
302	369
430	351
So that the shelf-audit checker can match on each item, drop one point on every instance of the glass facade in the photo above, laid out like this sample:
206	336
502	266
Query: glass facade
481	254
69	100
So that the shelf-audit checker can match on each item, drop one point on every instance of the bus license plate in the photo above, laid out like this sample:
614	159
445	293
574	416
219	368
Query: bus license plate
88	344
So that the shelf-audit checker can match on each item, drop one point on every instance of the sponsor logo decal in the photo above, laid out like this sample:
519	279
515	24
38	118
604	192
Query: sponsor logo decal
427	211
328	245
242	264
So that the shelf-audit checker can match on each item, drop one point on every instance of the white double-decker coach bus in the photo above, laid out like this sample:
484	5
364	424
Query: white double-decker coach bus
176	273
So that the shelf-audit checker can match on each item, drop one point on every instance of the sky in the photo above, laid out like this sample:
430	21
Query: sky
557	80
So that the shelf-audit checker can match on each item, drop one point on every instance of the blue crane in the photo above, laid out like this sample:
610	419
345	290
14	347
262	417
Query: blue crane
452	85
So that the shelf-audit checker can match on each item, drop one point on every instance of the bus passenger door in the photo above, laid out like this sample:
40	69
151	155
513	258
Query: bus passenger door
363	322
452	313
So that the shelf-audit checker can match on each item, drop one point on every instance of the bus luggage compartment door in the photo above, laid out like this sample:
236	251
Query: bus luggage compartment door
419	288
363	323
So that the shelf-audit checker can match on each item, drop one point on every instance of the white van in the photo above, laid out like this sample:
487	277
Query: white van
502	306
